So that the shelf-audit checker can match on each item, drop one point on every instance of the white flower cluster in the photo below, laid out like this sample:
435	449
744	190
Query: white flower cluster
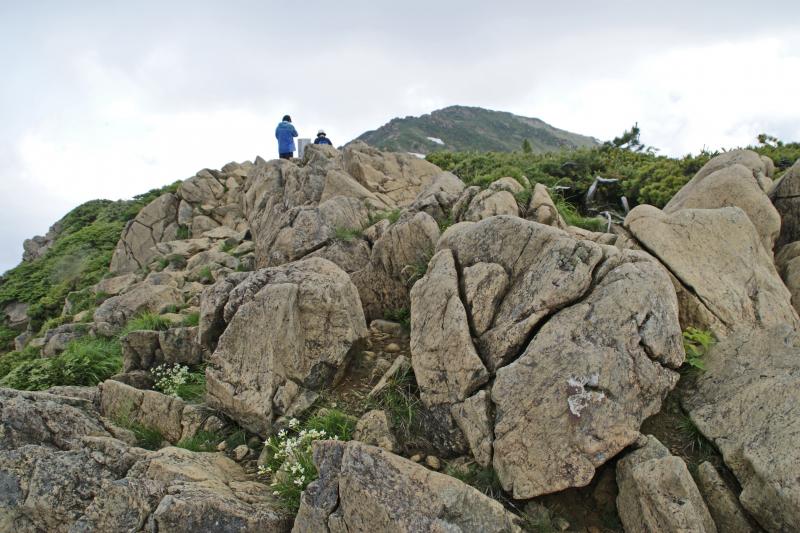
291	456
169	378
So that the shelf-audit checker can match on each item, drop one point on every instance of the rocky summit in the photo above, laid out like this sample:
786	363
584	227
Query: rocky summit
358	341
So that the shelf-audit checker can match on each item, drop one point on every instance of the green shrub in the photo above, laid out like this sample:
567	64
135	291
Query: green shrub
400	400
392	216
11	360
346	234
202	441
191	320
571	216
403	316
147	322
7	336
85	361
696	344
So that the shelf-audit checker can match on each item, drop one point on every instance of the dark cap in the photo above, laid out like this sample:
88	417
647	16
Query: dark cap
287	118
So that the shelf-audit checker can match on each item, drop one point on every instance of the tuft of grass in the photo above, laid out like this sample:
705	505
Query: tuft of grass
147	437
11	360
402	316
696	441
445	223
400	400
183	232
333	422
572	217
346	234
147	321
86	361
414	271
202	441
227	246
194	390
205	275
392	216
523	197
696	343
191	320
482	478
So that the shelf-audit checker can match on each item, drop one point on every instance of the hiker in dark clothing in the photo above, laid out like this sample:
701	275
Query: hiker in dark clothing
285	133
322	138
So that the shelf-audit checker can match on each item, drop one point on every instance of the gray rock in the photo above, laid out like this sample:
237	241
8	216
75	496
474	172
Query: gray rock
300	322
474	418
785	194
156	222
746	403
722	503
374	428
378	491
657	493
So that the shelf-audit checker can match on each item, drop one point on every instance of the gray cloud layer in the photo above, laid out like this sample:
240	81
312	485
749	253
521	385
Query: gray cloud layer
109	99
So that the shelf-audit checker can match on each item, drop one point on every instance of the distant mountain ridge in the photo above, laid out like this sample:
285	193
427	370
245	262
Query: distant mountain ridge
462	128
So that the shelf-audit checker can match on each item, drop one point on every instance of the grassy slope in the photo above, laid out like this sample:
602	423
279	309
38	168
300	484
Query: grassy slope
471	128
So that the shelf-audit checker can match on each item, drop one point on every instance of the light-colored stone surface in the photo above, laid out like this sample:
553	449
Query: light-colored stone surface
300	322
542	209
146	407
485	285
374	428
446	364
717	256
475	420
156	222
396	259
726	510
142	297
732	185
657	493
747	404
488	203
599	368
364	488
547	270
785	194
438	197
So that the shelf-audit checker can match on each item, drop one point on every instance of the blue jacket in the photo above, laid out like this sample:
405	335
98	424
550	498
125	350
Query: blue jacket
285	133
322	140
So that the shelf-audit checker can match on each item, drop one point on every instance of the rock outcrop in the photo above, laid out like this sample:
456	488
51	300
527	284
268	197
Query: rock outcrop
726	279
657	493
785	194
737	179
746	403
363	488
298	325
548	294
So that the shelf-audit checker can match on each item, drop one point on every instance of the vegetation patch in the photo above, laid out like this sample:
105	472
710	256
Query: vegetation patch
400	400
289	464
86	361
696	343
147	322
392	216
180	382
402	316
191	320
202	441
347	234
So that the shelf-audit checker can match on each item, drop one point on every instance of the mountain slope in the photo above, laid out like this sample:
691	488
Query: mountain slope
460	128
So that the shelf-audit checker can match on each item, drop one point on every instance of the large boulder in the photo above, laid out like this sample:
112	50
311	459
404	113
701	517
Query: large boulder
396	178
62	470
297	323
396	260
364	488
156	222
747	403
716	256
438	197
592	329
148	408
142	297
724	182
785	194
657	493
599	368
722	503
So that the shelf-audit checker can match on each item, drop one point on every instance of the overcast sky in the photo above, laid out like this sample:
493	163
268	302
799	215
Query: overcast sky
109	99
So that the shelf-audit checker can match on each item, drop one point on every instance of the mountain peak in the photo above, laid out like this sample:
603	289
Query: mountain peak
461	128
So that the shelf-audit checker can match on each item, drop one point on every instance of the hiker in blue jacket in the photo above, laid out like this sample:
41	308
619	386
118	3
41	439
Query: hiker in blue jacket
322	138
285	133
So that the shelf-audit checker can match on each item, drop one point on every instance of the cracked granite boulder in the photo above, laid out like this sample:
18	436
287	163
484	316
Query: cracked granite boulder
290	330
724	277
592	329
362	488
156	222
747	403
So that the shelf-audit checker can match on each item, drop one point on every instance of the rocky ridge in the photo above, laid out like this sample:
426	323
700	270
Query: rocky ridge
535	351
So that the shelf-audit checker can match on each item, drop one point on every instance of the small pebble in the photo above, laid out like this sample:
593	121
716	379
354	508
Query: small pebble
392	348
433	462
416	458
241	452
222	446
560	524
